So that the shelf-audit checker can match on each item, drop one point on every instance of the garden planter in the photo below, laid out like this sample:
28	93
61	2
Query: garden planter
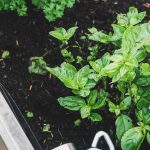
15	133
28	36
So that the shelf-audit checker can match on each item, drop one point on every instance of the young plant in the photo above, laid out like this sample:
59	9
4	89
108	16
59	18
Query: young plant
37	66
14	5
68	57
5	54
53	9
93	52
76	80
95	101
120	79
62	34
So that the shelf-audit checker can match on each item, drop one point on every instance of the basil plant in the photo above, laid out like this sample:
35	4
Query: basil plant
116	80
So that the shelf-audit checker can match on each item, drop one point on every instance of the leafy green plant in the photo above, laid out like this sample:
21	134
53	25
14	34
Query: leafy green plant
14	5
52	9
30	114
67	55
94	101
62	34
5	54
93	52
119	79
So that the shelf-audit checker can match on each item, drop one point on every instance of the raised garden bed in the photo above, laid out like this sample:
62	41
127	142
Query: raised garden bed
28	36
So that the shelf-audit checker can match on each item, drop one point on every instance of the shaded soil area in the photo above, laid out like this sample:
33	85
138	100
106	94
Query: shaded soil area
28	36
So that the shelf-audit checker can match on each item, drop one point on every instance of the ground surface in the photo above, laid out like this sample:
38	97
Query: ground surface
28	36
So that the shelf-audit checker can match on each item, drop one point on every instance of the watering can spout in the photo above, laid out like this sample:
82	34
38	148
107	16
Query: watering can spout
95	142
97	138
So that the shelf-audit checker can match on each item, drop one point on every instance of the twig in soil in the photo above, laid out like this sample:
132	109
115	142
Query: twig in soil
45	54
30	87
51	134
147	5
60	134
84	143
50	76
17	43
48	93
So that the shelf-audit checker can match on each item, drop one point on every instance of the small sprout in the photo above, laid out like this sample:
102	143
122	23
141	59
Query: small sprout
77	122
37	65
30	114
5	54
67	55
62	34
93	53
79	59
46	128
83	38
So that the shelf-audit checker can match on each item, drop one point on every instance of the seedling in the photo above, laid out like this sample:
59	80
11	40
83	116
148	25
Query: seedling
30	114
5	54
68	57
46	128
63	35
86	106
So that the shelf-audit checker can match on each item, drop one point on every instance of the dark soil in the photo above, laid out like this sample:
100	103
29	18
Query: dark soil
28	36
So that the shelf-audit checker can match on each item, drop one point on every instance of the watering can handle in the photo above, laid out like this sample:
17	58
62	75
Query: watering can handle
106	137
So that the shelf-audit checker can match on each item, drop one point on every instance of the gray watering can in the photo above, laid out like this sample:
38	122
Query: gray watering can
95	142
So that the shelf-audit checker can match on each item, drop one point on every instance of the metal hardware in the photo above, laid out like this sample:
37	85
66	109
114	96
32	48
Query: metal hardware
97	138
68	146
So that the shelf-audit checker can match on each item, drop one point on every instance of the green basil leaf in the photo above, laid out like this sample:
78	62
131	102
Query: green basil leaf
135	17
147	48
140	55
143	103
85	111
125	104
143	81
98	36
71	32
37	66
144	116
83	92
71	102
59	33
92	30
5	54
148	137
81	77
63	35
66	73
118	32
122	20
134	90
132	139
101	100
121	87
92	97
96	65
95	117
123	124
100	63
135	37
112	107
145	69
111	69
